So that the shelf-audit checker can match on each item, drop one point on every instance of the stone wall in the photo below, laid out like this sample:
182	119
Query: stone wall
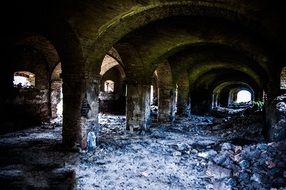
30	107
277	119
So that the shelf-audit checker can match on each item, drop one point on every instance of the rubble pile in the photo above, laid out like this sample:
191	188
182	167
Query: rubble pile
248	127
277	119
226	112
260	166
186	154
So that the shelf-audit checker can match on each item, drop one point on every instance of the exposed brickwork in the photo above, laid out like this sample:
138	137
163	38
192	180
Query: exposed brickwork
138	107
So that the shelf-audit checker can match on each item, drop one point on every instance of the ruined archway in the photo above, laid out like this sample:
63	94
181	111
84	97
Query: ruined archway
112	88
240	96
225	94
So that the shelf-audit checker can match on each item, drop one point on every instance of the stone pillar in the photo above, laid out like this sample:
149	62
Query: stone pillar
93	97
90	108
165	104
138	107
183	104
277	119
273	89
73	94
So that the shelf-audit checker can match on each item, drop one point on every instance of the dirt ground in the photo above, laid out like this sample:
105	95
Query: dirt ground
185	154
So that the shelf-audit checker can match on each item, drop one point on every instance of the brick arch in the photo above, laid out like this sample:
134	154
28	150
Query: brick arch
43	45
156	43
233	93
132	64
223	85
202	56
66	43
109	62
216	76
135	17
205	68
228	86
202	90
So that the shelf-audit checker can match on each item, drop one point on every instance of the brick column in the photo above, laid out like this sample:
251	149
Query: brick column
273	90
138	107
183	104
90	107
165	105
92	96
73	94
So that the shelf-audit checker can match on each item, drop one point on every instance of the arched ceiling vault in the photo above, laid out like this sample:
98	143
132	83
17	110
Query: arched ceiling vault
236	88
115	55
230	84
44	46
160	40
213	78
196	73
202	58
100	25
110	62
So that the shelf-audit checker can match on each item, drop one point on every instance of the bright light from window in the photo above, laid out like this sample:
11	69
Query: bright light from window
243	96
19	80
151	94
24	79
109	86
60	105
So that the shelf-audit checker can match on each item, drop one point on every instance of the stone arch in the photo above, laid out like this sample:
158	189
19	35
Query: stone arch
195	74
202	89
235	92
109	62
135	73
24	103
204	57
68	47
165	41
228	88
110	32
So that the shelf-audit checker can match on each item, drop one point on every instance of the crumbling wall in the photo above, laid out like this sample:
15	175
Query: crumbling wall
26	107
277	119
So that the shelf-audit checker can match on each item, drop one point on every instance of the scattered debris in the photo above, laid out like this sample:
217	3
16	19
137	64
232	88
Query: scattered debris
185	154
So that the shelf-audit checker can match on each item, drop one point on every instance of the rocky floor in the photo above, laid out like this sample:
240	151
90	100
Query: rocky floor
190	153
